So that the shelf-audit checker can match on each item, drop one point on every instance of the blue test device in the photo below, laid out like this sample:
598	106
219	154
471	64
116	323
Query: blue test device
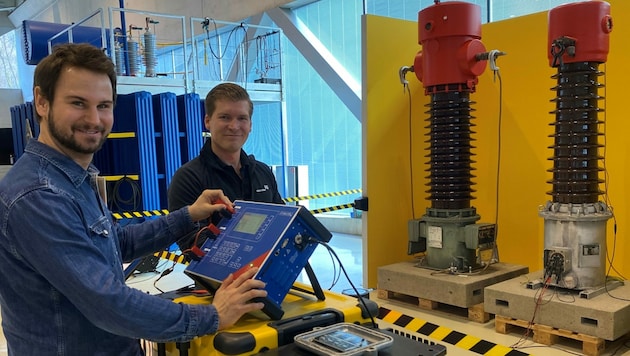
278	239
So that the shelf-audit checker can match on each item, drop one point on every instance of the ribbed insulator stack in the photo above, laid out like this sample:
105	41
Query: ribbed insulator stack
576	160
150	54
450	150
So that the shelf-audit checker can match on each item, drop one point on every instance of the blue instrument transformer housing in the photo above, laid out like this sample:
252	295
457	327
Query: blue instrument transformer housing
278	239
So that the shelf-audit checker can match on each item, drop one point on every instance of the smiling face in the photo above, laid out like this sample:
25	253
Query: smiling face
80	116
229	125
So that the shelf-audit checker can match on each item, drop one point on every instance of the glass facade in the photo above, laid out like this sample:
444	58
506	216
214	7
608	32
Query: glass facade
8	65
505	9
408	9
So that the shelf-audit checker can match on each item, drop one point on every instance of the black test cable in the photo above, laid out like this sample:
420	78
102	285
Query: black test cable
367	310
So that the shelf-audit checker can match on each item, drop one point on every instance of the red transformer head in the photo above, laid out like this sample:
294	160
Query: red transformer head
579	32
450	36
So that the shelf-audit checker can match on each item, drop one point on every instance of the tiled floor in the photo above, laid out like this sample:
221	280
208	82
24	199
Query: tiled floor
349	250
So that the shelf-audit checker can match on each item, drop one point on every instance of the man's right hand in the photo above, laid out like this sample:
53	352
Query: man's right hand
209	202
233	298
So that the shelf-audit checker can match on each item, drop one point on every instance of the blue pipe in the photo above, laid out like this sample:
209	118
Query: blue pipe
123	24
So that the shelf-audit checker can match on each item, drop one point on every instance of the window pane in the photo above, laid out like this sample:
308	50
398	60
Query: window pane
8	62
408	9
505	9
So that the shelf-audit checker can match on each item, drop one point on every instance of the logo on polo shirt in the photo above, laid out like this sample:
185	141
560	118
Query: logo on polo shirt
264	189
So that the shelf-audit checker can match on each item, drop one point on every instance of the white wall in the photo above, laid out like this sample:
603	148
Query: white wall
8	98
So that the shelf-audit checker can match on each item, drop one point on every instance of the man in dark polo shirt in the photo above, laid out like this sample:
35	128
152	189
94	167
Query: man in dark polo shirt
222	163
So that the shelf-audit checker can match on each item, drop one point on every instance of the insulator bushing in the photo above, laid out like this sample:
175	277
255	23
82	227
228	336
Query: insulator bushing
150	54
575	218
120	60
450	178
448	66
576	136
578	42
133	54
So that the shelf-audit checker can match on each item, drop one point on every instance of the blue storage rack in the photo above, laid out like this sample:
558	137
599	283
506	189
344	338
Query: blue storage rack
167	140
29	112
22	118
190	114
18	133
130	151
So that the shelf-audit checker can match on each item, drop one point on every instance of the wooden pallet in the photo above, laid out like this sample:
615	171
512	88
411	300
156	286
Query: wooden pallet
547	335
475	313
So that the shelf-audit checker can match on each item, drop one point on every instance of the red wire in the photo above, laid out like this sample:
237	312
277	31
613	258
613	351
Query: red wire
196	239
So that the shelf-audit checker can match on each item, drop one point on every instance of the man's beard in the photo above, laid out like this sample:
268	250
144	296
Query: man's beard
69	140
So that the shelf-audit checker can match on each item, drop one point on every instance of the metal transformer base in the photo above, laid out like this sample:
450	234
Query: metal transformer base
461	290
603	316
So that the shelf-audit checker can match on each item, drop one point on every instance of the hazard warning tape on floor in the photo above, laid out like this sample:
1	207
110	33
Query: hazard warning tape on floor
332	208
146	214
319	196
440	333
172	257
139	214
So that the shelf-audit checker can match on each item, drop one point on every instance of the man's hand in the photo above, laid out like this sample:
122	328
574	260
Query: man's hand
209	202
232	299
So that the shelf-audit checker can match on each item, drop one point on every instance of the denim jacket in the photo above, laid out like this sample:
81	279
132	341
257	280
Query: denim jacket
62	287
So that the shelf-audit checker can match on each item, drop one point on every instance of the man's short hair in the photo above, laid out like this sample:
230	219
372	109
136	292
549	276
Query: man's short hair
78	55
227	91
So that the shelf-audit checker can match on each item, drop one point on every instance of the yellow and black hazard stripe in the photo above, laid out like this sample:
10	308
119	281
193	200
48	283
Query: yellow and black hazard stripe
172	257
440	333
146	214
138	214
319	196
332	208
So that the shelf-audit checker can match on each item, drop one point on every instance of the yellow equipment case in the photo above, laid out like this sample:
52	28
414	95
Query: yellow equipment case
256	332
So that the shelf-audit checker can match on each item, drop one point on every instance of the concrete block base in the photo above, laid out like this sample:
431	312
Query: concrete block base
462	290
606	316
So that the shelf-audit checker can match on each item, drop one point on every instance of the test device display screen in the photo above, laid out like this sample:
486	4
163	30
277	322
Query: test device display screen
250	223
342	341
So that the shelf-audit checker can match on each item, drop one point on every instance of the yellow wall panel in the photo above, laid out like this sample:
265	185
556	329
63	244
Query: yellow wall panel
511	137
386	140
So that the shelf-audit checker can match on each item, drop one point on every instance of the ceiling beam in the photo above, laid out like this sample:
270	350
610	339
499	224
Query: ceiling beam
332	72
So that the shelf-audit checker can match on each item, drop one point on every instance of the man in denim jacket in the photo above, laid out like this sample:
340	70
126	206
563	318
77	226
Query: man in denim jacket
62	289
